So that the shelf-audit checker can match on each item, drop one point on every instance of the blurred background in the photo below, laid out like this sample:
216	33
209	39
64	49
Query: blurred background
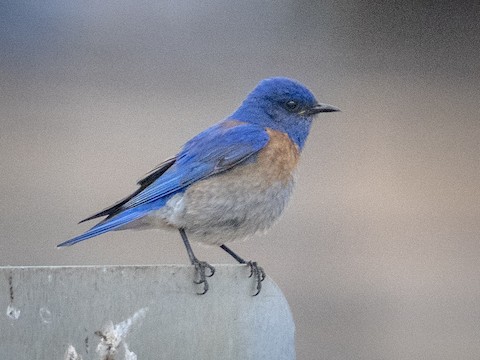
378	252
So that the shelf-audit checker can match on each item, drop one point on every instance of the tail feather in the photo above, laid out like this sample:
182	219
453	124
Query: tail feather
147	180
110	224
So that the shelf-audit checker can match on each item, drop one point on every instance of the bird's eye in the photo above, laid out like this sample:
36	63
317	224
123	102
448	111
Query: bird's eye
291	105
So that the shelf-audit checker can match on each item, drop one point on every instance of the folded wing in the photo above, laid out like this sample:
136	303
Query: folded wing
213	151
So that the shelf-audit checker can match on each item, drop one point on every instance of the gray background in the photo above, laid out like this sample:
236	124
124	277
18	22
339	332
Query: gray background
378	252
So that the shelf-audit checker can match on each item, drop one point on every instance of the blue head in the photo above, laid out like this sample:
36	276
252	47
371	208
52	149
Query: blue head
282	104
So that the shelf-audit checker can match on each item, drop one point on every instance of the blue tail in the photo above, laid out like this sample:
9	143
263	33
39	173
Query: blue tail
113	223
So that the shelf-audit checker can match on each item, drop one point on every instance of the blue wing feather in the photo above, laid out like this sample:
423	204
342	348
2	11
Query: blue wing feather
213	151
110	224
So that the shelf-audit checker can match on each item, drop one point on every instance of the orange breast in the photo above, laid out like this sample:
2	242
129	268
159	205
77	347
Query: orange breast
278	160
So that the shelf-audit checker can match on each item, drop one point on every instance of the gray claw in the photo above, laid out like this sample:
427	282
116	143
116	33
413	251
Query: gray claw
258	273
201	274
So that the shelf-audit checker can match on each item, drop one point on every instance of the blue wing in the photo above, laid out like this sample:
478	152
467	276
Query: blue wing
213	151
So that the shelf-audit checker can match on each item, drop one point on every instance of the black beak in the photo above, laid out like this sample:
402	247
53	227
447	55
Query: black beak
319	108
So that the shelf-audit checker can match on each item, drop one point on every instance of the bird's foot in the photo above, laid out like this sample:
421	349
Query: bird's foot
258	273
201	274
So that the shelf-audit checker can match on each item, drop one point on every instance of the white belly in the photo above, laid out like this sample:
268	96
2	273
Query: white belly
215	212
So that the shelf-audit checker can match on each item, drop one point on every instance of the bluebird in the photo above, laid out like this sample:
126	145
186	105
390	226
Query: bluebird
229	182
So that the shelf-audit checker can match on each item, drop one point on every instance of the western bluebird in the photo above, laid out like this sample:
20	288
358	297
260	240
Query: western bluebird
228	182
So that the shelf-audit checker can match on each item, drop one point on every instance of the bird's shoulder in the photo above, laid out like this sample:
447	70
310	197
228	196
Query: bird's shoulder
275	162
226	132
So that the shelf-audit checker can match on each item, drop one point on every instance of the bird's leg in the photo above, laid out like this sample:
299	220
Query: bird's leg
200	266
255	270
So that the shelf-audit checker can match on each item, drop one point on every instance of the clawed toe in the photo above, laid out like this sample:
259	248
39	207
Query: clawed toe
258	273
201	274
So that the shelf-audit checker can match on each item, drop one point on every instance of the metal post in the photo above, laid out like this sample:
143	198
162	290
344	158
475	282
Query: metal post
140	312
